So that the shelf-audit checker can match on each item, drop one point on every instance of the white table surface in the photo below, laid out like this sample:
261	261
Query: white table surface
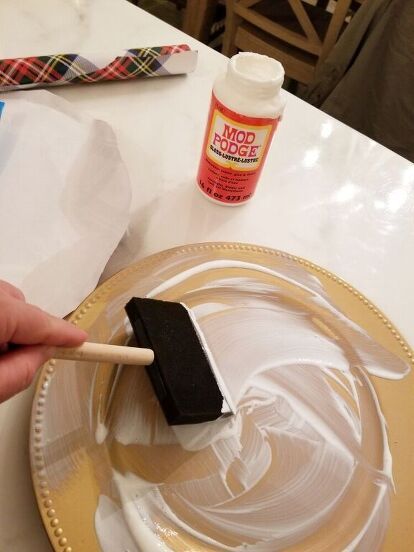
327	193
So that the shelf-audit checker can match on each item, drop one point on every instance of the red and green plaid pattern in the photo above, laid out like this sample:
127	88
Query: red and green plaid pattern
31	72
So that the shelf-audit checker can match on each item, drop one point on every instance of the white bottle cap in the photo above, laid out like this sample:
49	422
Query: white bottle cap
256	72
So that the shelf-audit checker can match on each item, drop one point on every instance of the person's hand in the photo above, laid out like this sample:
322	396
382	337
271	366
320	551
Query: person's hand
39	332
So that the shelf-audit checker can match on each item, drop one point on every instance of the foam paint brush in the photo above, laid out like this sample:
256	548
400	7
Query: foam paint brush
179	362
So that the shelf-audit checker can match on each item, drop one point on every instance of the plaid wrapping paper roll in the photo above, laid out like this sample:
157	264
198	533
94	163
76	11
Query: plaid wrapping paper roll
54	70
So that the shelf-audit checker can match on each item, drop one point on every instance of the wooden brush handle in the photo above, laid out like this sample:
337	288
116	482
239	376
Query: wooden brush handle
99	352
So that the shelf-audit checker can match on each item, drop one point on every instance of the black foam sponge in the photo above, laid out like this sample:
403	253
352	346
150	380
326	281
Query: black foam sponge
181	373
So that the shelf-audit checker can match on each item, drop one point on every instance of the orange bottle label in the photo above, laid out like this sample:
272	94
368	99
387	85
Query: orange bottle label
234	150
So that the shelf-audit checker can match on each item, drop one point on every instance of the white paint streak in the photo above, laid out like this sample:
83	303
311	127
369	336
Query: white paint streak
308	441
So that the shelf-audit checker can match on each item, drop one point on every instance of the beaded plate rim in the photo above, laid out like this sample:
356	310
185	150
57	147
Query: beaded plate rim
59	540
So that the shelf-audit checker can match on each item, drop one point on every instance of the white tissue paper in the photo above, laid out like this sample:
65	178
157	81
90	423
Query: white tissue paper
64	199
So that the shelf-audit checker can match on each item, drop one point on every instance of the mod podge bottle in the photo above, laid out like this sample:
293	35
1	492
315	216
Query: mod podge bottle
245	109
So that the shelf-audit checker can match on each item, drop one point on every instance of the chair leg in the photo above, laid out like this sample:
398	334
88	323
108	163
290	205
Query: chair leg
232	22
198	18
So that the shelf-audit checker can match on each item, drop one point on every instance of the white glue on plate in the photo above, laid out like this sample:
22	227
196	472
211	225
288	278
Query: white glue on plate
246	107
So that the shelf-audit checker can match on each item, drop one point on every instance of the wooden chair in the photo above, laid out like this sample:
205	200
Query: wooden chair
198	17
298	34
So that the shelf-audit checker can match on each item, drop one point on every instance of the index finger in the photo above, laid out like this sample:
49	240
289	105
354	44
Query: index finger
26	324
11	290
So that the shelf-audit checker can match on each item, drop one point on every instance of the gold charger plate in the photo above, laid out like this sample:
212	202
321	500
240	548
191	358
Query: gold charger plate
77	442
